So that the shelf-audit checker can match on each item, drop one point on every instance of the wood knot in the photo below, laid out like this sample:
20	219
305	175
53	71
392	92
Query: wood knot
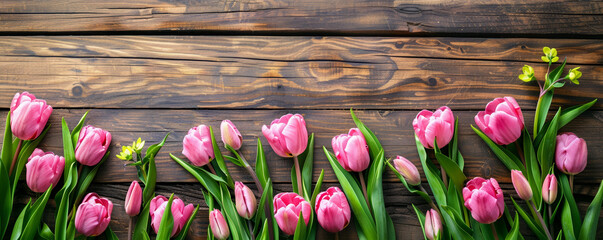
77	91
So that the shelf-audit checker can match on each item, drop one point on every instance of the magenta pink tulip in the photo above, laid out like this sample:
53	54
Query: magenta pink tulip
231	135
180	213
43	169
502	120
28	116
133	199
93	215
549	189
438	125
197	146
287	207
245	200
218	224
332	210
484	199
571	153
92	145
408	170
521	185
433	224
351	150
287	135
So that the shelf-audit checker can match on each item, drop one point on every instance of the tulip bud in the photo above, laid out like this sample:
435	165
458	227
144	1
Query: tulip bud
92	145
521	185
245	200
408	170
287	135
570	154
231	135
351	150
287	207
549	189
133	199
333	210
43	170
180	213
430	126
502	120
93	215
484	199
28	116
433	224
218	224
197	146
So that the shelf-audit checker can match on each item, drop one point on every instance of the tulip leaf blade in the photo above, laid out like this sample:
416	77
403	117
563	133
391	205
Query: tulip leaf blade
7	145
37	210
514	232
141	228
571	202
371	139
532	170
45	233
234	220
408	187
109	234
317	188
204	178
68	149
87	175
261	211
546	149
498	151
566	216
6	200
300	229
223	170
62	197
75	133
591	219
18	227
536	229
236	160
421	218
184	231
452	169
261	166
308	165
375	194
167	221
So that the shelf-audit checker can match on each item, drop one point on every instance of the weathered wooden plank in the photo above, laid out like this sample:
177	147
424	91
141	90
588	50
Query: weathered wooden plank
282	72
341	16
394	129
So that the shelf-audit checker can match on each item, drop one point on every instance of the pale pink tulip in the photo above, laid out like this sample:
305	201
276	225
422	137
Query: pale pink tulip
333	210
246	203
438	125
433	224
502	120
484	199
408	170
287	207
521	185
351	150
197	146
218	224
43	169
571	153
28	116
133	199
231	135
92	145
93	215
180	213
287	135
549	189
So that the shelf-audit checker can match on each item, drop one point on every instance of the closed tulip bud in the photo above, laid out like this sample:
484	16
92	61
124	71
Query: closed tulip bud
287	135
43	169
433	225
197	146
93	215
245	200
502	120
333	210
549	189
180	213
133	199
570	154
521	185
438	125
287	207
218	224
484	199
351	150
92	145
408	170
231	135
28	116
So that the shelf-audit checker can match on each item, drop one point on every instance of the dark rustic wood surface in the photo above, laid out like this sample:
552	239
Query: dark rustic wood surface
148	68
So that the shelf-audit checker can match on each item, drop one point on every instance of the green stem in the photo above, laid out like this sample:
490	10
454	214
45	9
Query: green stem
252	174
12	165
429	201
520	151
363	184
494	231
211	168
551	218
130	223
571	182
300	189
534	211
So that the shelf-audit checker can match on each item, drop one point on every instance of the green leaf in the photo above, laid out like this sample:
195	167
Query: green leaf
532	169
375	194
75	134
266	197
167	221
45	232
499	152
535	227
454	223
452	169
264	234
261	166
371	140
88	174
514	233
542	109
234	160
555	74
546	149
26	151
410	188
235	223
68	150
421	218
37	210
63	198
110	235
140	230
7	145
569	114
184	231
6	200
300	230
569	198
223	170
317	188
205	178
566	217
21	220
308	167
591	219
391	229
432	175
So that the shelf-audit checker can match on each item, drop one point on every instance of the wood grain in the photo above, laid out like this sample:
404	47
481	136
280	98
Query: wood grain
569	18
286	72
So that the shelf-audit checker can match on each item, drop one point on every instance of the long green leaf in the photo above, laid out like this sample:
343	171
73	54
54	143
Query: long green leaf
566	217
62	197
308	167
498	151
6	200
223	170
546	149
87	176
141	228
535	227
514	233
68	150
317	188
421	218
7	144
209	183
569	198
260	212
235	222
532	169
45	232
454	223
371	139
591	219
569	114
110	235
261	166
452	169
75	134
375	194
37	210
167	221
20	222
300	229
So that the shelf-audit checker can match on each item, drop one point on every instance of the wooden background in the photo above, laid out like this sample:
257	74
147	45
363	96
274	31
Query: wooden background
148	68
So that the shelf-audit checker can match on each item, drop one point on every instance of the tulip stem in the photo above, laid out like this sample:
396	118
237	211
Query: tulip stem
300	189
494	231
12	165
546	229
337	236
211	168
520	151
251	230
130	228
551	218
363	184
252	173
428	199
444	178
571	182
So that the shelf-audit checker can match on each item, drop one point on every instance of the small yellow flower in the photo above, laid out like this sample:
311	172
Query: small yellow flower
125	154
550	55
574	74
528	73
138	145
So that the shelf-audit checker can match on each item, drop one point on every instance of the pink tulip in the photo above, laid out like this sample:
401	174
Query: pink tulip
197	146
332	210
484	199
43	169
231	135
408	170
351	150
28	116
287	207
571	153
433	224
287	135
438	125
521	185
92	145
549	189
245	200
180	213
93	215
502	121
133	199
218	224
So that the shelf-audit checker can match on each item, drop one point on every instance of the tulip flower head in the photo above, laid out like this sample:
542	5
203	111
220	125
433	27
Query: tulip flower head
218	224
571	153
231	135
502	120
133	199
180	213
287	135
197	146
351	150
333	210
549	189
28	116
287	207
521	185
246	203
484	199
433	225
92	145
93	215
408	170
43	169
438	125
